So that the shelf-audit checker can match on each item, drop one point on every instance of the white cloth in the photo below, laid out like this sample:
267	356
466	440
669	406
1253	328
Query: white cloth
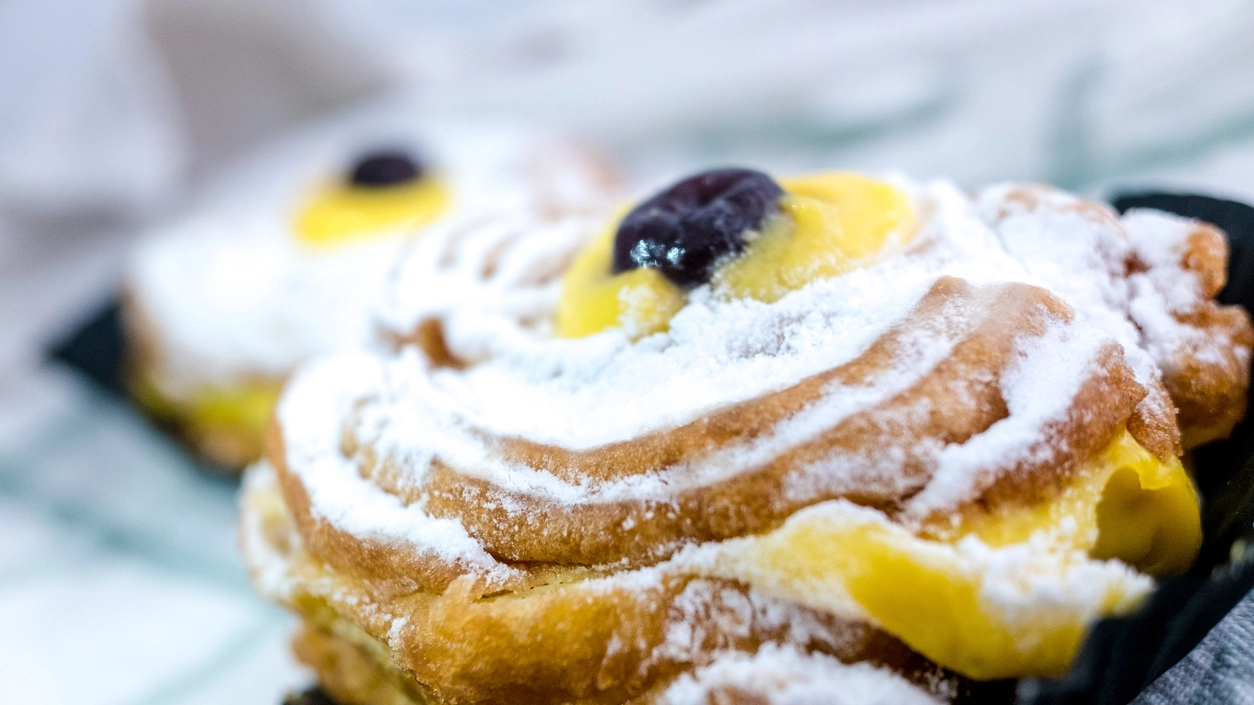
1219	670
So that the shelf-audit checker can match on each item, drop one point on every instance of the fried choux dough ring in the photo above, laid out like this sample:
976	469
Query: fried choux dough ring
815	420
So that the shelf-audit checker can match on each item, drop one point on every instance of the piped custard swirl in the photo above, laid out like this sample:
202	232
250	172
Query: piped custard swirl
884	420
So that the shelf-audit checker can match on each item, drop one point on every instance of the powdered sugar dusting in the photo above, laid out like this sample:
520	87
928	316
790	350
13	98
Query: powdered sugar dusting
1079	255
588	392
785	675
492	279
1166	288
1037	389
312	415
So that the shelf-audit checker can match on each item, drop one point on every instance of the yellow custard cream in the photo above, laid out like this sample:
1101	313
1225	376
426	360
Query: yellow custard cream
828	224
980	603
227	423
343	212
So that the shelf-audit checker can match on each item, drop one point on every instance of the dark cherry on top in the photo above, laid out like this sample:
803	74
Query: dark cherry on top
685	230
385	168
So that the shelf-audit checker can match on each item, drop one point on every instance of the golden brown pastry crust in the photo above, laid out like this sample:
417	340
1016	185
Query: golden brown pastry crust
1206	382
571	635
353	674
350	673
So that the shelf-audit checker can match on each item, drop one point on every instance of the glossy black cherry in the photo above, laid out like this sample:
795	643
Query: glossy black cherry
685	230
385	168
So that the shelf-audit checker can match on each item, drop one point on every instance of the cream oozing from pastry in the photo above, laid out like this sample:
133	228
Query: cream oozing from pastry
782	675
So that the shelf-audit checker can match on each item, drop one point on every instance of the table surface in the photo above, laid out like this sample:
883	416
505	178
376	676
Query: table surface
119	579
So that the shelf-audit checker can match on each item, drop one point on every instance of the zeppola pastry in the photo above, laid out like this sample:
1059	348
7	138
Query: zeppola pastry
751	440
287	260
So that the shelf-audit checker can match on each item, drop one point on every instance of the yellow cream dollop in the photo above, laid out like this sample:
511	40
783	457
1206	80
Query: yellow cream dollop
342	212
230	419
828	224
642	301
1130	506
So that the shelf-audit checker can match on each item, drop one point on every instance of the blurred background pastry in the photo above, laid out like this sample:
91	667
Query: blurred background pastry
286	260
879	420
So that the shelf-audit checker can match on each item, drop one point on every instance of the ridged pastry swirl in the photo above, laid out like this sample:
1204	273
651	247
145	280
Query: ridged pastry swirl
465	498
